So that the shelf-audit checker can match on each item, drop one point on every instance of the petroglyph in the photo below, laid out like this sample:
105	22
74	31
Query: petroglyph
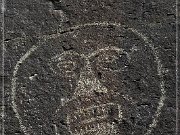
95	109
91	96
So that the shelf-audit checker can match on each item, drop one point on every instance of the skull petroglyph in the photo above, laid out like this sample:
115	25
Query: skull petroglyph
92	110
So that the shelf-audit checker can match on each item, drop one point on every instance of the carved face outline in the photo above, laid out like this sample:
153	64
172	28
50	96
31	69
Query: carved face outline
88	86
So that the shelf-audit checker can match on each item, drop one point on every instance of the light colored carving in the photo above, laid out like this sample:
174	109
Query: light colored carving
90	113
100	24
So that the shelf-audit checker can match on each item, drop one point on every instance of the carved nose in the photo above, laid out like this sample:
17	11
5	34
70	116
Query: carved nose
88	84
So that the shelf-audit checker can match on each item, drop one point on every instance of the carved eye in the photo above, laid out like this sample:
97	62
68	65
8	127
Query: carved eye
110	58
111	61
65	65
107	62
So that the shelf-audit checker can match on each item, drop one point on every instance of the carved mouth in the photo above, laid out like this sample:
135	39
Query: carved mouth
93	119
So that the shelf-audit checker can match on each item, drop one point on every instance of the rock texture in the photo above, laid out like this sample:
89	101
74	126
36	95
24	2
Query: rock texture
105	62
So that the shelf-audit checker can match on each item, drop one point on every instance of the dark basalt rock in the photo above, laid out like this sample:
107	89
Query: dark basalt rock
62	56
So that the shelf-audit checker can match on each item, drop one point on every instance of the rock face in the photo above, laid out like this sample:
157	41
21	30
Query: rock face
104	67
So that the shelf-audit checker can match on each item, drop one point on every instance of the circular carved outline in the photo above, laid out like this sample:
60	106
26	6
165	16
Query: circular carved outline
101	24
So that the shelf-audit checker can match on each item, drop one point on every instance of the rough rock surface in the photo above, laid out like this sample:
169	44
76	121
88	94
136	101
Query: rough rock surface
71	57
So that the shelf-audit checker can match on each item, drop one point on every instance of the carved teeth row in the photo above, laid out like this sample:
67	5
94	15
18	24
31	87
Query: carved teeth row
93	128
90	114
